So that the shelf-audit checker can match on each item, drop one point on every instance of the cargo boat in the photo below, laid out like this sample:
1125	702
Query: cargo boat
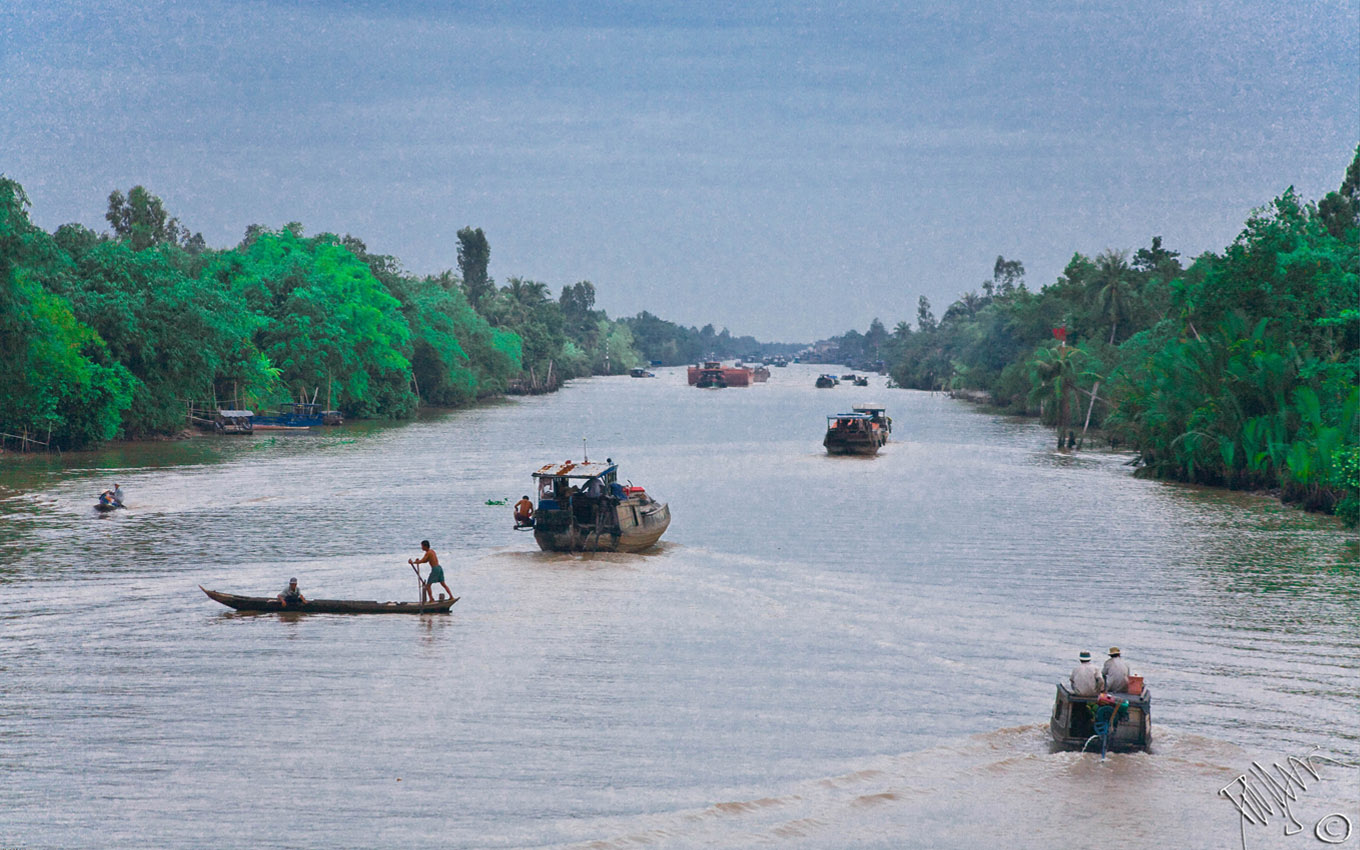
732	376
582	507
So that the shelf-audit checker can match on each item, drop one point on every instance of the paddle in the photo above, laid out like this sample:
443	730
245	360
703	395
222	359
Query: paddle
420	585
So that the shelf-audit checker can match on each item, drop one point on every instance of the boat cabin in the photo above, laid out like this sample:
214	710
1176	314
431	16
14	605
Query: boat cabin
878	413
850	422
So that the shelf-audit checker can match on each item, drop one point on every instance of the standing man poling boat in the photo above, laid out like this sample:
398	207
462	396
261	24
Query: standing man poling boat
436	572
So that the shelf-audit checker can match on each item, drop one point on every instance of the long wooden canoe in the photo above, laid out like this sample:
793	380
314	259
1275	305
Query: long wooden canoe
328	606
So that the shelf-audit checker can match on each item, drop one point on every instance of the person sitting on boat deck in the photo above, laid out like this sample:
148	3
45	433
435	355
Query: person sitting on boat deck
524	512
1086	680
436	572
118	495
1116	673
595	489
291	595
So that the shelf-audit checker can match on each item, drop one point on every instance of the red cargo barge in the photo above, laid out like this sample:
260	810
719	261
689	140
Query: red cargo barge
735	376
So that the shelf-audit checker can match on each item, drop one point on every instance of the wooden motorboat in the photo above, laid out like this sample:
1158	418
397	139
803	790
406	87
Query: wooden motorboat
826	381
328	606
1073	723
106	507
618	518
853	434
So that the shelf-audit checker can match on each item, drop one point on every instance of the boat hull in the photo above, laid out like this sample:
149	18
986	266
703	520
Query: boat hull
841	445
1073	721
639	527
328	606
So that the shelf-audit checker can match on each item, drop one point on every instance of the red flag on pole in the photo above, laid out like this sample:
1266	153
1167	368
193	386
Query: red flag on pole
1060	334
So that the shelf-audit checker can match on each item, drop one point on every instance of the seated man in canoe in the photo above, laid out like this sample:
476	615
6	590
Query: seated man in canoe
292	595
436	572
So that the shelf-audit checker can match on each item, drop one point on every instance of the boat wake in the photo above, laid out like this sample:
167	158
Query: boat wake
1006	785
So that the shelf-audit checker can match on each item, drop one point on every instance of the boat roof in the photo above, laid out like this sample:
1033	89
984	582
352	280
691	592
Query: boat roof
571	469
869	408
235	414
850	416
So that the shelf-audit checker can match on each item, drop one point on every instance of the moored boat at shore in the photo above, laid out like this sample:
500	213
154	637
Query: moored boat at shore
582	507
295	416
328	606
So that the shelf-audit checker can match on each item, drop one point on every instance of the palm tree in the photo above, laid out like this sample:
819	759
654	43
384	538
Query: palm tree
1054	373
1110	286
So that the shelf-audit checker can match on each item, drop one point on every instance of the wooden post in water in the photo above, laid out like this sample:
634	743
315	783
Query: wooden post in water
1094	391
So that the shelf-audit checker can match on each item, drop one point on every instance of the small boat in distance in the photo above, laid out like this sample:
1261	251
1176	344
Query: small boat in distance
761	374
641	373
732	376
582	507
328	606
291	416
853	434
861	380
1073	723
826	381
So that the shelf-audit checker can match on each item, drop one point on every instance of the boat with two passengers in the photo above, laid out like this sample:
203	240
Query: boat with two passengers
582	507
1127	719
854	434
825	382
328	606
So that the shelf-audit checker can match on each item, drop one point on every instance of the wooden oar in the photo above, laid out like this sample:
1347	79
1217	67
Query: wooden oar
420	586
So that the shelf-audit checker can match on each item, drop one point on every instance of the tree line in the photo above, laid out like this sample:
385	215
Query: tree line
1237	369
112	335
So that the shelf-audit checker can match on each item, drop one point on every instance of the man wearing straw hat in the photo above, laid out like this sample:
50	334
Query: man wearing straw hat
1116	673
1086	680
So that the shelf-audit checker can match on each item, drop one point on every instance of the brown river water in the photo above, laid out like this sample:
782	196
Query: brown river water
824	652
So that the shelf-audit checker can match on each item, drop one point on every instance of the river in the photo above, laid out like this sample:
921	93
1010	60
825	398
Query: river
824	652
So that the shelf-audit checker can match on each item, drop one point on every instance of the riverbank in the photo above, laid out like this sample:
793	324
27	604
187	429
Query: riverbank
1094	436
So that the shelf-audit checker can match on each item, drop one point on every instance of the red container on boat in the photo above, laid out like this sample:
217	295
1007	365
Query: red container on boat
1135	684
633	491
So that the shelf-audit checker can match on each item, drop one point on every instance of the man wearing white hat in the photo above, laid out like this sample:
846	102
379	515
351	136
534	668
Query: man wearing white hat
1086	680
1116	673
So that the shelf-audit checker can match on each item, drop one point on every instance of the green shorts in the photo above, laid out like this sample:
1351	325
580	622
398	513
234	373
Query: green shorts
436	575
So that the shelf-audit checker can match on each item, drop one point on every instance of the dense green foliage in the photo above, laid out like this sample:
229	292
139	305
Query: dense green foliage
1239	370
118	334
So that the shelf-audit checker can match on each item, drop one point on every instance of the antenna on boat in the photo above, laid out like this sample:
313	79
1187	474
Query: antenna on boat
583	451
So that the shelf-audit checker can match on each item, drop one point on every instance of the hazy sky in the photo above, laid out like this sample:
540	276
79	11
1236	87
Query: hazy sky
789	170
